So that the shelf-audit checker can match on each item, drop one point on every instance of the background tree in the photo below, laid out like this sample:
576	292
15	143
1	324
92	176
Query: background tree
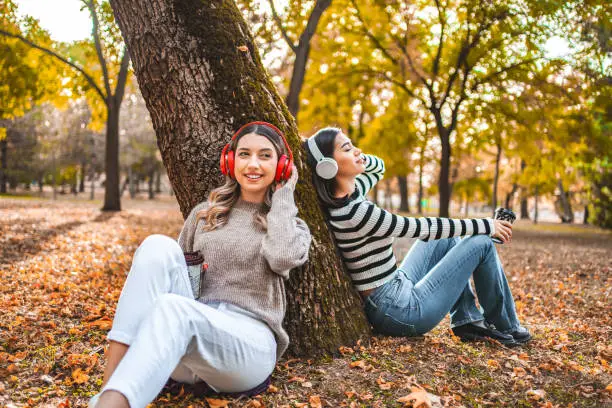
113	75
445	54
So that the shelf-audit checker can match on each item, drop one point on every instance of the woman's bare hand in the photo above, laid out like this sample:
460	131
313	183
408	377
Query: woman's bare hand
503	230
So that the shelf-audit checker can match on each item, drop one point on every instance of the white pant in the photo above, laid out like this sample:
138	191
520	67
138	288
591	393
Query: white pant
171	334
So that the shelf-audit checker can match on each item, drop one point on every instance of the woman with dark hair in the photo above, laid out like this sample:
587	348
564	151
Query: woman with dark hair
226	329
434	277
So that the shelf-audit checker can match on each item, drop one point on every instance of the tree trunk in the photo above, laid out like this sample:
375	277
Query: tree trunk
375	194
112	198
510	196
388	200
402	182
125	184
496	177
74	184
82	179
3	165
568	213
158	189
524	206
201	77
132	182
524	209
443	181
535	211
420	198
585	220
93	187
151	183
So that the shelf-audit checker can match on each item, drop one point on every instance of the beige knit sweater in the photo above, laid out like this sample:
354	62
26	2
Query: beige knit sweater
246	264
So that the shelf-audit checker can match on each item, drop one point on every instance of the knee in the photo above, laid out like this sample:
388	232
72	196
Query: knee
158	243
157	249
483	242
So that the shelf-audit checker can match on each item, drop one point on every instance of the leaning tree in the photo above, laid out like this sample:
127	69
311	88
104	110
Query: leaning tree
201	77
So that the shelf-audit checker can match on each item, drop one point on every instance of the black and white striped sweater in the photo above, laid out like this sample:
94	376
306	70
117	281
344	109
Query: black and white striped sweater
364	232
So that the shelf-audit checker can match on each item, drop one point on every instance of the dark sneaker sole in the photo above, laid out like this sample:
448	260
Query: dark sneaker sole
474	337
522	340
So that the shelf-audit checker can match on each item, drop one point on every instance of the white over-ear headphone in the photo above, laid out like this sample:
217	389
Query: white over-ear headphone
327	167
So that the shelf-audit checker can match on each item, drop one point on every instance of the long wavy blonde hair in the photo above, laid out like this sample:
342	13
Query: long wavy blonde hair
222	199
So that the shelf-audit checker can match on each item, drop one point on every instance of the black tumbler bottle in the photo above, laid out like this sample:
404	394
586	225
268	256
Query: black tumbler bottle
506	215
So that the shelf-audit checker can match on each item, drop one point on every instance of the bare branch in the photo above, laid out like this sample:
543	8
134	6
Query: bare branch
59	57
404	50
465	51
95	31
279	23
436	63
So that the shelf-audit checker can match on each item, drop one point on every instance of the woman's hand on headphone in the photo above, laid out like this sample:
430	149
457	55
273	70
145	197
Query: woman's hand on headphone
292	180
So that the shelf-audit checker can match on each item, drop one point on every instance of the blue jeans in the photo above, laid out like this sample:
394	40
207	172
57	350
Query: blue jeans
434	279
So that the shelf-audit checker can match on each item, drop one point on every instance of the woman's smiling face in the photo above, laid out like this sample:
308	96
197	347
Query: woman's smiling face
349	159
255	162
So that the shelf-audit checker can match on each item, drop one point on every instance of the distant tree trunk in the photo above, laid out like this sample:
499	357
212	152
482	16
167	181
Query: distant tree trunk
126	182
151	184
402	182
443	180
40	184
3	165
82	180
585	220
132	181
54	184
496	177
466	208
201	76
510	196
388	198
375	194
568	213
535	211
420	198
524	206
74	184
158	189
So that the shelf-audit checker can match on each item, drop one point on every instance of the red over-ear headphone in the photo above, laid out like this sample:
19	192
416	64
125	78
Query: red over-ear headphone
283	168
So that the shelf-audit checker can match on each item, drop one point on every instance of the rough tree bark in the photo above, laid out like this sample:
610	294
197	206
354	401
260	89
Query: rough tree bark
201	77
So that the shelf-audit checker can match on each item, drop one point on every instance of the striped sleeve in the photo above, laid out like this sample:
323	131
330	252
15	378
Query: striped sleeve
366	219
374	172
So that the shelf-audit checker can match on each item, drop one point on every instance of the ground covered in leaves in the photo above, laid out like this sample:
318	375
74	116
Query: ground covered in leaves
62	266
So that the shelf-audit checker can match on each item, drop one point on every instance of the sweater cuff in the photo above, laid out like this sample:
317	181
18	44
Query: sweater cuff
283	198
492	224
